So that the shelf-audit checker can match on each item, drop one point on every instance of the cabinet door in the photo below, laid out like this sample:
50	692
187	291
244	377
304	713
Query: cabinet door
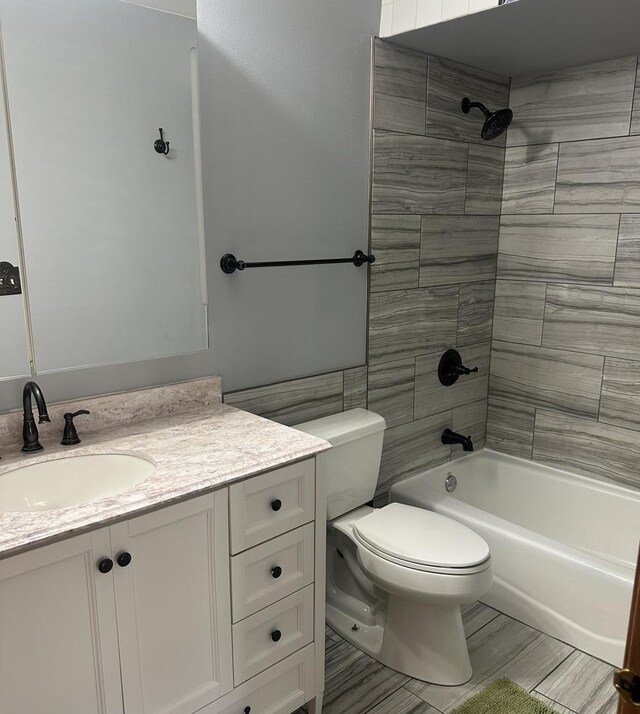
173	604
58	641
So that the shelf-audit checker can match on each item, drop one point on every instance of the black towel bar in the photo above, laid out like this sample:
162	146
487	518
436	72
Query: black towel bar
229	263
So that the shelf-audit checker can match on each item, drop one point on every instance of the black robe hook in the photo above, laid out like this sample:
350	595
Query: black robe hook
160	145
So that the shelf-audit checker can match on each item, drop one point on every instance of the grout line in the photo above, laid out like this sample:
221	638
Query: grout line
415	388
533	434
574	141
557	703
385	697
615	259
544	313
435	709
604	366
555	184
420	250
466	186
552	671
495	617
633	98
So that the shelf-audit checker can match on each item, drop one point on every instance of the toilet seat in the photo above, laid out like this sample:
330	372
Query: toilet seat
422	540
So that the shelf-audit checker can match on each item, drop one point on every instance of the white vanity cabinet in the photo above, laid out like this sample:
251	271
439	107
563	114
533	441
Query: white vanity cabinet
77	616
58	637
161	615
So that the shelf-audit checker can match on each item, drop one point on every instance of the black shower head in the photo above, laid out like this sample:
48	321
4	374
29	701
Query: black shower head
495	122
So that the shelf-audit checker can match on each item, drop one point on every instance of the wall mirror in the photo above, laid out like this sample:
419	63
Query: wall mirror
100	185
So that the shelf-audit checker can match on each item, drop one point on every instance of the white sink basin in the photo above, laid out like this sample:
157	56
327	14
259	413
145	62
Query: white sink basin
70	481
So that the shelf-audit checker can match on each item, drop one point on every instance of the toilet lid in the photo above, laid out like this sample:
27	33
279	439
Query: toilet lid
421	537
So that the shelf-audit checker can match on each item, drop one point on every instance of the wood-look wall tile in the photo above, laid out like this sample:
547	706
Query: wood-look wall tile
418	174
585	102
413	447
530	178
407	323
587	447
432	397
400	85
620	403
484	180
519	311
355	388
448	83
470	420
395	241
597	320
582	684
628	257
475	312
599	176
293	402
458	249
568	382
390	391
566	248
510	427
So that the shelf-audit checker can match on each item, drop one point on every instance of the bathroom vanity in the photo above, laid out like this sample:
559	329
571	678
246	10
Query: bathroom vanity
201	589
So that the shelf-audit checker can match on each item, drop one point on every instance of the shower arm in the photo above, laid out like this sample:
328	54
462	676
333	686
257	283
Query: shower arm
467	105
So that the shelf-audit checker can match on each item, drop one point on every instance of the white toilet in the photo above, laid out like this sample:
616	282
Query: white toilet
397	575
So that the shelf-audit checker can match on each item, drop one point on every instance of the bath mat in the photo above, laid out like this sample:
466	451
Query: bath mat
504	697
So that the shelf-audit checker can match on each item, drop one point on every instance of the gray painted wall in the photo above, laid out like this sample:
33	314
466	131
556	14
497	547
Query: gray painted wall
285	110
286	160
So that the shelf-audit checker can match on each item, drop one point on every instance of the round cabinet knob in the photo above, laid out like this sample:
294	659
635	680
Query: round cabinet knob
105	565
276	504
124	559
276	635
276	572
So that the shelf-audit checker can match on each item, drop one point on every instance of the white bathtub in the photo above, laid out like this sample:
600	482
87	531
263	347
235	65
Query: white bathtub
563	546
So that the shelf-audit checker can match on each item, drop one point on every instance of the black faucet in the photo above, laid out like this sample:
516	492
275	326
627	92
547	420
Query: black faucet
30	437
452	437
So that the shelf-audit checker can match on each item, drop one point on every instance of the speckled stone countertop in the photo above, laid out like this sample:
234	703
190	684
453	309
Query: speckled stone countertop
195	451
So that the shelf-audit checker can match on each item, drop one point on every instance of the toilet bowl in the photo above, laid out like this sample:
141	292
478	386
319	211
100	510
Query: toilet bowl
411	620
397	576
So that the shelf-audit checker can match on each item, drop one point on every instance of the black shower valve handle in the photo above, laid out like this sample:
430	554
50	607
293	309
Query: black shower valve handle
450	368
462	370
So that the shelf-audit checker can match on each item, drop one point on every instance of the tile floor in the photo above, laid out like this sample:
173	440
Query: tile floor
570	681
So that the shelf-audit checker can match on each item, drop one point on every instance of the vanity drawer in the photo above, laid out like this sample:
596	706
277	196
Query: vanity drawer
280	690
266	506
271	571
272	634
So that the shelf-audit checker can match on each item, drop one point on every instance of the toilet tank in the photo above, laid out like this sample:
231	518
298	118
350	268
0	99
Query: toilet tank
353	464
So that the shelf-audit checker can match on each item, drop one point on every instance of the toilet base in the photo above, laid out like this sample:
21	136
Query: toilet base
425	642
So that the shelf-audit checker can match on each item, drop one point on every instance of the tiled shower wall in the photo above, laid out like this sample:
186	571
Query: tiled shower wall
437	189
436	201
565	368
